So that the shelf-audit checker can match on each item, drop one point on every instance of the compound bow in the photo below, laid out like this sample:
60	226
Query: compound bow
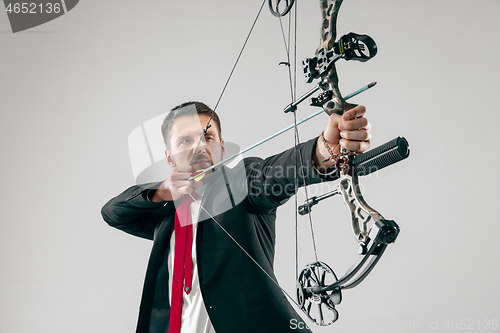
318	288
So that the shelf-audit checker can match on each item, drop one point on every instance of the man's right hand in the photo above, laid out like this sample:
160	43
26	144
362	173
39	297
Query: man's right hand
176	185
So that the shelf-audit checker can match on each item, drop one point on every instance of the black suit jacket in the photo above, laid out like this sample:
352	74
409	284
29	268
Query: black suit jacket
238	295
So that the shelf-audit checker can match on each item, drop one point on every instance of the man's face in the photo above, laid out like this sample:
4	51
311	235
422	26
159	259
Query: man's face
184	137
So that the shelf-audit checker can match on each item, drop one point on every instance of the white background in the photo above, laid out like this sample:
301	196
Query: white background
72	90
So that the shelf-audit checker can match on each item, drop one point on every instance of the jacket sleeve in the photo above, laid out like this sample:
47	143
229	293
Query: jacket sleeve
133	213
271	182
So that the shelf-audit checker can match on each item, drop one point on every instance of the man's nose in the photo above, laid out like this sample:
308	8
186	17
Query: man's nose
202	146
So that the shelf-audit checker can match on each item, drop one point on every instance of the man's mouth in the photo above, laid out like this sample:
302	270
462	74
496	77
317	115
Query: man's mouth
201	161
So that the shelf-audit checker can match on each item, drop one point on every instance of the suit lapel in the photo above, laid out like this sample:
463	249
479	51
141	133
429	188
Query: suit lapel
162	237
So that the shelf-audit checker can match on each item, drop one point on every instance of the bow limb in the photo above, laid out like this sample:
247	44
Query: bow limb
329	79
329	13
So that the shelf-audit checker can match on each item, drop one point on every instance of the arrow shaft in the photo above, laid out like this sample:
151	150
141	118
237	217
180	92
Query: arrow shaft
272	136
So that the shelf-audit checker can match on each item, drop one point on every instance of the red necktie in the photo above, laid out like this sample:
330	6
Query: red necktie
183	264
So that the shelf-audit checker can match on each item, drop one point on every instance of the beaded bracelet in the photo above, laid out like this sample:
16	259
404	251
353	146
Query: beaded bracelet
341	159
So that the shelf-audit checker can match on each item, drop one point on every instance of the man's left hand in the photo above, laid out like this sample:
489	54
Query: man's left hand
351	131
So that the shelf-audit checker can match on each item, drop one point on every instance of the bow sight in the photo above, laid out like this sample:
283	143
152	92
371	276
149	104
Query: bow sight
349	47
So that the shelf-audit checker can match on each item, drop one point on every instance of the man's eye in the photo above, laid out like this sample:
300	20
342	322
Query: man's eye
184	141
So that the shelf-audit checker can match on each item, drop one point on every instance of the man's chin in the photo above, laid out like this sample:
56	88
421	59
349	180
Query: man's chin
201	165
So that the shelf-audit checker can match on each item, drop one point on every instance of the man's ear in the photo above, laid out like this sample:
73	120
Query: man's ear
222	148
170	159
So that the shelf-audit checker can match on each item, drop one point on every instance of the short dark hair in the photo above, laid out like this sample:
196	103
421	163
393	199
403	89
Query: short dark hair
182	111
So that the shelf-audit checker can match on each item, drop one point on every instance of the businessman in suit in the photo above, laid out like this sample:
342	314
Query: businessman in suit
225	280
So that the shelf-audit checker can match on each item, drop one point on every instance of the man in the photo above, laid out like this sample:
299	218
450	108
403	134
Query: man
230	285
